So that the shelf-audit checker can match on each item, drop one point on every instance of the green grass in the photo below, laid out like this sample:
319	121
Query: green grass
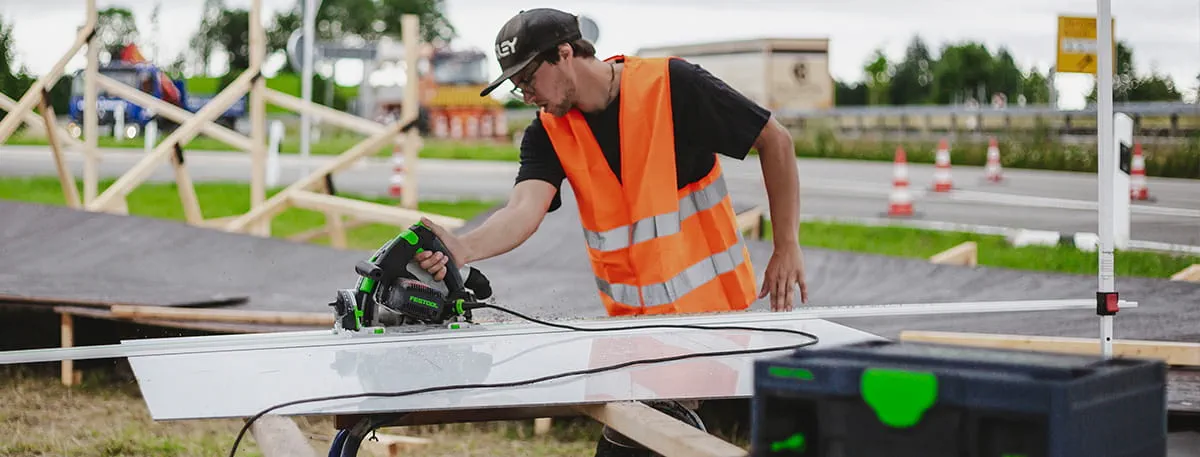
107	416
328	145
993	251
228	199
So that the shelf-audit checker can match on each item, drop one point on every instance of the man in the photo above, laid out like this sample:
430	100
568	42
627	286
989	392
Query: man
640	166
637	139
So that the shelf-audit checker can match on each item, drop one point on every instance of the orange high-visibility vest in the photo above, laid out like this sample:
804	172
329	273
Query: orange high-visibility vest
654	248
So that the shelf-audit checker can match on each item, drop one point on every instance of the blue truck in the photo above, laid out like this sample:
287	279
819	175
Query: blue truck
151	80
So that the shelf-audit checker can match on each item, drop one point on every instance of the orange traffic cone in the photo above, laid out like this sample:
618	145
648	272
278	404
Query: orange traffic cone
900	200
396	183
1137	175
941	171
993	172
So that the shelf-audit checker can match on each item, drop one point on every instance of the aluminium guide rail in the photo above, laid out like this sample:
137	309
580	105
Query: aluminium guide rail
226	343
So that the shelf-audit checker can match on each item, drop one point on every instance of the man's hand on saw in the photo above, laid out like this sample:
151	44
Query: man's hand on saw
435	262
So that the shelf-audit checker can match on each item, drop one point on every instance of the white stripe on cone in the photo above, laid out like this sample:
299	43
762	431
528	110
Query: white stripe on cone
1137	175
993	172
941	171
900	200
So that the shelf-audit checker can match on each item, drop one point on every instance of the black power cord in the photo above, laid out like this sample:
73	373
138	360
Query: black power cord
813	339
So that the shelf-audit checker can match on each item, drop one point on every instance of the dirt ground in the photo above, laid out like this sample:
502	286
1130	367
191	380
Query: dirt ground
106	417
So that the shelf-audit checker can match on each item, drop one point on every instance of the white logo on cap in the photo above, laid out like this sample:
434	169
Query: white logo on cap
507	47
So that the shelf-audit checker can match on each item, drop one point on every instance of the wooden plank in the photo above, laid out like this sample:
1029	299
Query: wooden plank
1174	353
1183	390
223	315
278	436
966	253
368	211
214	327
1190	274
659	432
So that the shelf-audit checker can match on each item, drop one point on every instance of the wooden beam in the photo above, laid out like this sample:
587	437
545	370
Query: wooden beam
38	122
186	190
966	253
335	224
276	203
278	436
1190	274
186	131
311	234
172	112
409	30
328	115
217	222
67	338
91	117
393	445
659	432
1174	353
258	121
750	222
222	315
368	211
65	177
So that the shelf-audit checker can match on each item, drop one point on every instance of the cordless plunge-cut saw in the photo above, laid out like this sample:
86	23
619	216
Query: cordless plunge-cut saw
394	293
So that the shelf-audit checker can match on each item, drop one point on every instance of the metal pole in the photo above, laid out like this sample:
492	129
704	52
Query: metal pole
1107	165
310	20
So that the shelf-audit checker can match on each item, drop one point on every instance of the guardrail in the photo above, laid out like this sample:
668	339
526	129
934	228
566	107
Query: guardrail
1151	119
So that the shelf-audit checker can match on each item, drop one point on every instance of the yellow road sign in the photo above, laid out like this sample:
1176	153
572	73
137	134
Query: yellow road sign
1076	50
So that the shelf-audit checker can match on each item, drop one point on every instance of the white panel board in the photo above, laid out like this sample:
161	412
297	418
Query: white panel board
240	383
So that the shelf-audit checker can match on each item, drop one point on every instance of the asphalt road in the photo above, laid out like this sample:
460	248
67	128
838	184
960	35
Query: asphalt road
1030	199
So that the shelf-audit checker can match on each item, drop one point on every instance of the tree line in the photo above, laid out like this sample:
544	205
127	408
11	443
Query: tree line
968	71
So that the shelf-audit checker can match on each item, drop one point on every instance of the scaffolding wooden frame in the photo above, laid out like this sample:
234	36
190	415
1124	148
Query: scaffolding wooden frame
301	194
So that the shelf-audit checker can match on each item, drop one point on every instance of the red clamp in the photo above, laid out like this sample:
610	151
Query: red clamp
1107	303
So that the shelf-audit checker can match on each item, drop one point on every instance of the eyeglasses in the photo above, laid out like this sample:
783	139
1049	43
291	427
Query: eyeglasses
523	80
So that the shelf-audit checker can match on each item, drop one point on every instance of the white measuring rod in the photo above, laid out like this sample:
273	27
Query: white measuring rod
221	343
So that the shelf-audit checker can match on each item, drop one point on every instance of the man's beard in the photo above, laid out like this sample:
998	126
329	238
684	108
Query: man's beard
561	108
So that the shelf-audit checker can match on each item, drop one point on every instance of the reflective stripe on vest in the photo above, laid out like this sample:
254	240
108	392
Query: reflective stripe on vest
662	224
670	291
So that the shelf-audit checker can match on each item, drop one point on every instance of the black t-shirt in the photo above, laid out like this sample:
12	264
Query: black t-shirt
709	118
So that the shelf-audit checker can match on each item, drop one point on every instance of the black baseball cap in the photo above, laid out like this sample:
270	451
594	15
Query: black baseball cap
529	33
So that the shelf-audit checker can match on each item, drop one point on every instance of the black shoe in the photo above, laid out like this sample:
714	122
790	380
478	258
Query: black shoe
614	444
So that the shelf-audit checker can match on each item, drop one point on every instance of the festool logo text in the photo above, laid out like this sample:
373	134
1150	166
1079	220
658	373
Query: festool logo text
423	301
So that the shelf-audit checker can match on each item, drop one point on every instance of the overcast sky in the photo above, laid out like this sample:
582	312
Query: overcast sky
1164	34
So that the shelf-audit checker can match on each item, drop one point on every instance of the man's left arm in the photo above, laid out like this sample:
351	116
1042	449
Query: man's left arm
721	119
777	157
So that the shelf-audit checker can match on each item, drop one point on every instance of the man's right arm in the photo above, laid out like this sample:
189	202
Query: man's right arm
535	194
511	225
